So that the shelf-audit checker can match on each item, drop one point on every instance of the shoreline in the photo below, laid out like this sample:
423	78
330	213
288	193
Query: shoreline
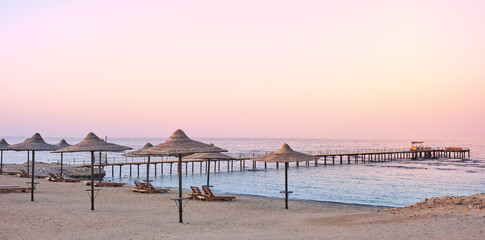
303	200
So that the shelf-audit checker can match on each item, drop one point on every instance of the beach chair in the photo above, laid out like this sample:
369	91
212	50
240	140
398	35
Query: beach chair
148	188
209	196
152	188
24	174
53	178
8	173
104	184
140	185
62	179
13	188
196	194
108	184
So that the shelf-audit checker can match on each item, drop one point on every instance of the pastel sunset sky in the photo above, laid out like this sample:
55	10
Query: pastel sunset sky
307	69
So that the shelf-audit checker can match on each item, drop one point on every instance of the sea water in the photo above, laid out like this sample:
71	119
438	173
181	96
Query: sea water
393	183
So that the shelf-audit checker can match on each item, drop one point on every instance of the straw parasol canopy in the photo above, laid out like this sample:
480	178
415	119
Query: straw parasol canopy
286	155
34	143
179	144
138	153
4	146
62	144
59	145
92	143
209	157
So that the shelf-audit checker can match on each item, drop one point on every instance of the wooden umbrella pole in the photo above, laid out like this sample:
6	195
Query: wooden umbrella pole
92	180
286	185
208	172
180	188
1	162
28	161
99	170
32	186
148	169
62	156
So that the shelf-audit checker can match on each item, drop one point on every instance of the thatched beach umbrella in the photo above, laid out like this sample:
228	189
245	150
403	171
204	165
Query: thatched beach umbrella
209	157
286	155
60	145
137	153
4	146
180	145
35	143
92	143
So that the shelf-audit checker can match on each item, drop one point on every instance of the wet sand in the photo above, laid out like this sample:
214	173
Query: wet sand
62	211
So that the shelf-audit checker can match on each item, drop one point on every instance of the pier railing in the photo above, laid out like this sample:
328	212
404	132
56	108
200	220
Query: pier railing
245	155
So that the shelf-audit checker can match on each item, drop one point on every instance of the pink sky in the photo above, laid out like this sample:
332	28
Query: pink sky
243	68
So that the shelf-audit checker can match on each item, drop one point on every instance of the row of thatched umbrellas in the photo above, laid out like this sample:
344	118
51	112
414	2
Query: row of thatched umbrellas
34	143
91	143
178	145
4	146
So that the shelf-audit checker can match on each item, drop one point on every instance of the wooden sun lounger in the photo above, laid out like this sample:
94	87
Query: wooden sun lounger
209	196
8	173
62	179
196	194
104	184
140	185
148	188
53	178
151	187
24	174
12	188
108	184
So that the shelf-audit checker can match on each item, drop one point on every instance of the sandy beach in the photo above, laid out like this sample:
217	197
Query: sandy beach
63	210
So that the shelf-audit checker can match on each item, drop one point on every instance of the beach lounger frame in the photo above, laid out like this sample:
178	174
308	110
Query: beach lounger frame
62	179
8	172
13	188
148	188
24	174
196	194
209	196
104	184
53	178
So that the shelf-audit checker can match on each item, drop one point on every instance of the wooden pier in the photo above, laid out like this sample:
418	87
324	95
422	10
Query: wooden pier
239	163
380	156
